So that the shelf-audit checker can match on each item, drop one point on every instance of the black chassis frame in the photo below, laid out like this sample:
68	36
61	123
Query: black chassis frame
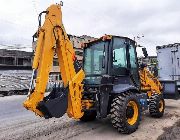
112	85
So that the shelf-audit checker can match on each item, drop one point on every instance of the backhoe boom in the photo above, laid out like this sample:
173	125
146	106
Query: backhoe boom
52	38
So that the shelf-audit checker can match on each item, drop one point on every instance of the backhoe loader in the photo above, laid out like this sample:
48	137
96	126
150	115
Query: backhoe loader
110	82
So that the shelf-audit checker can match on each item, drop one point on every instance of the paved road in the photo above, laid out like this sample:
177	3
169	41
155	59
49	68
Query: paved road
18	123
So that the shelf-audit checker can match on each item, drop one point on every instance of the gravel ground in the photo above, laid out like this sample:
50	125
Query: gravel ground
17	123
12	81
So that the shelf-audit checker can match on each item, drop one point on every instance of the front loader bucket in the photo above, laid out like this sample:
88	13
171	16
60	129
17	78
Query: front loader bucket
55	104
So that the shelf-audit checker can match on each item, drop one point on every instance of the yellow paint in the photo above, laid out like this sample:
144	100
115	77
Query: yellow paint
161	106
87	104
134	118
149	83
46	47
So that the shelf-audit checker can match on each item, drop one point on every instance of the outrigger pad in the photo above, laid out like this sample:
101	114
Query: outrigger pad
55	104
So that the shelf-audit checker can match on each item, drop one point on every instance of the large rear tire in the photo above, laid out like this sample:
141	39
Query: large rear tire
156	106
88	116
125	113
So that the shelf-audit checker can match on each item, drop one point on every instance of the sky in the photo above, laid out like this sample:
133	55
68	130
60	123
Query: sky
157	20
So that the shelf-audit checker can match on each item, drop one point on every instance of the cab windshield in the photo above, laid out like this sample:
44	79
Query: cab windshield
94	59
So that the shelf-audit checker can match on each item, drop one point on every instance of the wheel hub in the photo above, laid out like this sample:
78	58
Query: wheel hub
129	112
161	106
132	112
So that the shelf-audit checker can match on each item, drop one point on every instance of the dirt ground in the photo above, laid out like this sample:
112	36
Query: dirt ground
17	123
171	133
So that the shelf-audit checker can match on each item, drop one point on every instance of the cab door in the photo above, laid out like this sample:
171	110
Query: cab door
134	70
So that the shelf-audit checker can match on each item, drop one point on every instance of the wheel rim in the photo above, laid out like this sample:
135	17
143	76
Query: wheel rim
131	119
161	106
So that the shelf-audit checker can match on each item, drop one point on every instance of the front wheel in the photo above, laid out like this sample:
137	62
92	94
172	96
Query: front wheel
125	113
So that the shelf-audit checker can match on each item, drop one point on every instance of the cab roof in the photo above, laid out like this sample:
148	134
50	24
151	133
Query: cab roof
104	38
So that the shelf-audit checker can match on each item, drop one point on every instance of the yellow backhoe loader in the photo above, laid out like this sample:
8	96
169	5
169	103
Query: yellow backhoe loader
110	82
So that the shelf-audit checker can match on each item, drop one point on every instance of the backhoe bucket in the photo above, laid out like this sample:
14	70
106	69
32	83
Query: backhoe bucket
55	104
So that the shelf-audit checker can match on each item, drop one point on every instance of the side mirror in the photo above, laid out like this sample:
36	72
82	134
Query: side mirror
61	3
145	52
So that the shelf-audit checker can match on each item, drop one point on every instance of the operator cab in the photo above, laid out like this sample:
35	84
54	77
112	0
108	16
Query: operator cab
111	56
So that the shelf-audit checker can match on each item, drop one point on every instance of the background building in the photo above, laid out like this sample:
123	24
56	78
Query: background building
15	71
13	59
151	62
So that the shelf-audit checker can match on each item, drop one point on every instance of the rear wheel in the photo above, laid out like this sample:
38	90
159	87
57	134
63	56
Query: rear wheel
156	106
88	116
125	113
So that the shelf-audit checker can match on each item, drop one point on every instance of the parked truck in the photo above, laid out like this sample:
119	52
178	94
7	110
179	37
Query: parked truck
168	57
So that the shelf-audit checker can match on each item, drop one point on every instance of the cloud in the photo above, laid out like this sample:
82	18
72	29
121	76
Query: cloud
157	20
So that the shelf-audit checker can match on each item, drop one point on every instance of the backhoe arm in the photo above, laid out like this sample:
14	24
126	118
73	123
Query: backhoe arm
52	38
